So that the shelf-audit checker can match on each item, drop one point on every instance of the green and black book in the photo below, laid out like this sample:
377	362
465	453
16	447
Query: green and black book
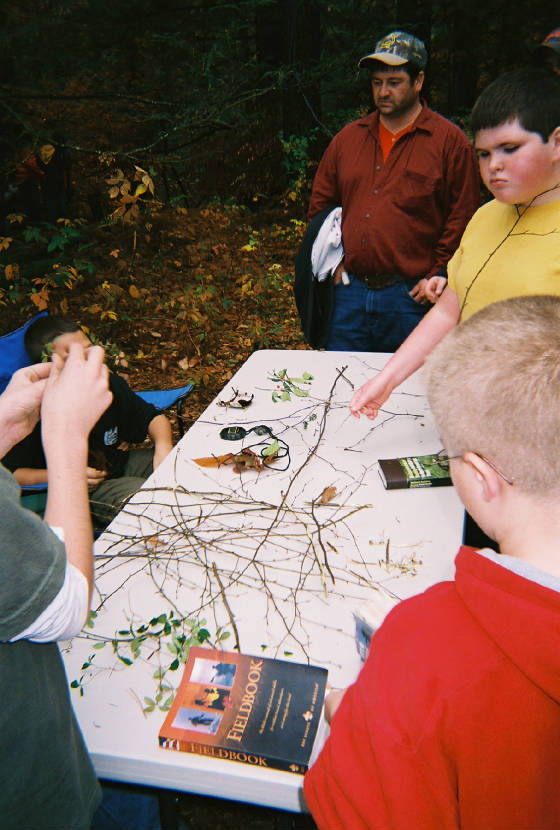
414	471
256	710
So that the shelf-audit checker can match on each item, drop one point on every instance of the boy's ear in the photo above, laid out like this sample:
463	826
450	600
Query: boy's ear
554	139
487	478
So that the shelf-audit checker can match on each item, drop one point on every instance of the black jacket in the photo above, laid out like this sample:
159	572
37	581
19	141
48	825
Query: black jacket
314	299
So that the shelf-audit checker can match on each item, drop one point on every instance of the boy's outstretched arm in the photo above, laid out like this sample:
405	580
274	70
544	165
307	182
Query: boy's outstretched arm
161	434
370	397
332	702
76	395
26	476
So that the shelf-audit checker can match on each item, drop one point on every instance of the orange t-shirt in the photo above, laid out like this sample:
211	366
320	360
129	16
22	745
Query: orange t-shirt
388	139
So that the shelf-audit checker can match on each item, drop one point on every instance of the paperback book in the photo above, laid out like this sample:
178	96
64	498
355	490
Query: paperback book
255	710
370	614
414	471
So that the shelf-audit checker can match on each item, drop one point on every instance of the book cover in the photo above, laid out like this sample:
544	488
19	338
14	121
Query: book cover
369	616
414	471
238	707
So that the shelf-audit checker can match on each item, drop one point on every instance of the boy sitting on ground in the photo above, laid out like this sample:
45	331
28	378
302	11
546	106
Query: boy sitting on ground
454	720
113	474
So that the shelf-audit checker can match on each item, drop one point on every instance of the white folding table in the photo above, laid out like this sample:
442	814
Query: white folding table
273	558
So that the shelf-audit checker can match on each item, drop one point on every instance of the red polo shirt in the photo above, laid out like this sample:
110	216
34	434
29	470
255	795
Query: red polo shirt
406	215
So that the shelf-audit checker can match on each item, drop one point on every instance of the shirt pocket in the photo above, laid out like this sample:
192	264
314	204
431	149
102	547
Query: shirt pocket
415	190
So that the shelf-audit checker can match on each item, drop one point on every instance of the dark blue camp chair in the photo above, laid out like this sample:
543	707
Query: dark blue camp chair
12	352
13	357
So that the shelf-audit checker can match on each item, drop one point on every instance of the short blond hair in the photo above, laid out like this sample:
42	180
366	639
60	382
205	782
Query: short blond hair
494	388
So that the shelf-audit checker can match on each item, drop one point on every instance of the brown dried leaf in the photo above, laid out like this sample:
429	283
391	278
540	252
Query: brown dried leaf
12	271
214	460
188	362
327	495
132	214
41	298
244	460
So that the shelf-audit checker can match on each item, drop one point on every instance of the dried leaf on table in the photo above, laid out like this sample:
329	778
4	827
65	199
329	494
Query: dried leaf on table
214	460
244	460
327	495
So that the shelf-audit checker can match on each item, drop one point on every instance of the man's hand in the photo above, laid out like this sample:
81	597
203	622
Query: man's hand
370	397
20	404
76	395
338	271
427	290
434	288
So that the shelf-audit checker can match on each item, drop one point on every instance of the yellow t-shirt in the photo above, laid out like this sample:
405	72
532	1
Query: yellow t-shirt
504	255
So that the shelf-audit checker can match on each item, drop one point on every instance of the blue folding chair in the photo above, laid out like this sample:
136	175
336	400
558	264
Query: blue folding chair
12	352
13	357
166	398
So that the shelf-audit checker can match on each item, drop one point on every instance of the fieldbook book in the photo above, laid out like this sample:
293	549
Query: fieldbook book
238	707
414	471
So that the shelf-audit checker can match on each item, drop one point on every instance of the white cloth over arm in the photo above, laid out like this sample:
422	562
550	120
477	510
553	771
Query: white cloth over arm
327	251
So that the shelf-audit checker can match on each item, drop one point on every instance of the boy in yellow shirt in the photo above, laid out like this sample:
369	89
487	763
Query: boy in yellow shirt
511	247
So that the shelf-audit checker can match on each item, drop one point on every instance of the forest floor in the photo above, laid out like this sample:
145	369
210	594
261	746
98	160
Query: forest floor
182	295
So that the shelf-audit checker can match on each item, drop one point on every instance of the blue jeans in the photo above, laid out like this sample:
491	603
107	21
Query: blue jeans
365	320
127	807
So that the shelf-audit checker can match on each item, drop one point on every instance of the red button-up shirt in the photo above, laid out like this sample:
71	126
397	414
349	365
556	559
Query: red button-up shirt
406	215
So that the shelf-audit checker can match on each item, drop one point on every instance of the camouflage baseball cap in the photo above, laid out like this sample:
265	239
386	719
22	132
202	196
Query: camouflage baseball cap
397	48
552	40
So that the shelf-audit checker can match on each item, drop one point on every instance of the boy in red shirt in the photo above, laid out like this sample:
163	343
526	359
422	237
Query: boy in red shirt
454	720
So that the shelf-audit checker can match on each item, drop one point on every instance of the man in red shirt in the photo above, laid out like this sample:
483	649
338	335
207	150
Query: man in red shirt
407	181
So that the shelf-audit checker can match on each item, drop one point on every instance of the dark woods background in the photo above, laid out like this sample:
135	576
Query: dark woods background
229	100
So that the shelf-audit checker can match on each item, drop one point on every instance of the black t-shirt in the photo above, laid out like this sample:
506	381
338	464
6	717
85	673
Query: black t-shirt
127	419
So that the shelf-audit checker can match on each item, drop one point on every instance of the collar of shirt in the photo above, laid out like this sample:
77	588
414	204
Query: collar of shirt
423	122
387	139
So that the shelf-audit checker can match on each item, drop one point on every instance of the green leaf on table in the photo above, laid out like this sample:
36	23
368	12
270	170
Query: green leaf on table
272	449
166	705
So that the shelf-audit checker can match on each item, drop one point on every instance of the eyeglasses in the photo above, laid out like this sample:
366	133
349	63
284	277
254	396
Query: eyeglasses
443	460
